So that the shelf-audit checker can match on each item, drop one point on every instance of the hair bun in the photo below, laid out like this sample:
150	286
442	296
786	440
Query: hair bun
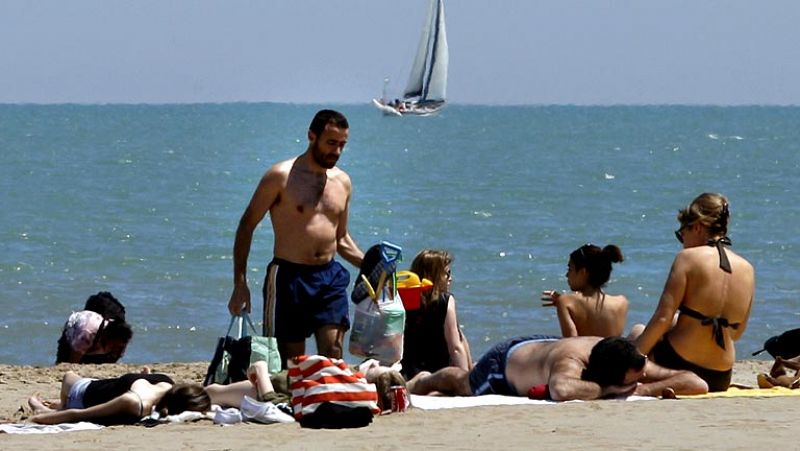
613	253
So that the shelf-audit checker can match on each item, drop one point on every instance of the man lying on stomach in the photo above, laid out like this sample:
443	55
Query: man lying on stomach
562	369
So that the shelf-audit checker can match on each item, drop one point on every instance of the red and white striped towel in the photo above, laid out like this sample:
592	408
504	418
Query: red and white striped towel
317	379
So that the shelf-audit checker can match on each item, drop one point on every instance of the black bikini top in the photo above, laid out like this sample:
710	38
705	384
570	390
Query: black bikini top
716	323
724	264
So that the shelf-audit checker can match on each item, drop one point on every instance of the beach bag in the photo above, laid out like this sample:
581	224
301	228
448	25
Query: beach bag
327	394
234	355
377	330
379	263
785	345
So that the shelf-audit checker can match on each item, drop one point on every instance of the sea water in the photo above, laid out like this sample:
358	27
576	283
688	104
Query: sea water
144	200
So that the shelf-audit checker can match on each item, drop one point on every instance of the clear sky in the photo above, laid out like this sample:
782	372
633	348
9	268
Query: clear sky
726	52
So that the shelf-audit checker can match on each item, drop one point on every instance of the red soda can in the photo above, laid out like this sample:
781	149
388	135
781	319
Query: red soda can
399	396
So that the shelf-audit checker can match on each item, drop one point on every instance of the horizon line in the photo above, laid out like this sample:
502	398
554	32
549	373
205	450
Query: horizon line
456	104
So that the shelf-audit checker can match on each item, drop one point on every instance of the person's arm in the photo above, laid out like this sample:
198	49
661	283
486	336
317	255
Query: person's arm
345	244
563	306
671	299
736	334
562	303
657	378
458	355
263	198
565	383
125	404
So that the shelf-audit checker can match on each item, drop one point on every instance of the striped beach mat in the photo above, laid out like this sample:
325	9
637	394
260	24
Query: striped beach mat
322	386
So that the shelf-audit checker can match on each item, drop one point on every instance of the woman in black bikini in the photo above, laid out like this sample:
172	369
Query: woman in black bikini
706	301
129	398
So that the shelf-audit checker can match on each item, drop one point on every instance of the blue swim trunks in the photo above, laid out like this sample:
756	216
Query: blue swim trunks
299	299
488	376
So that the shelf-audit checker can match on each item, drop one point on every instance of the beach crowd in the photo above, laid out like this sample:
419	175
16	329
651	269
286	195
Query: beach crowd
687	346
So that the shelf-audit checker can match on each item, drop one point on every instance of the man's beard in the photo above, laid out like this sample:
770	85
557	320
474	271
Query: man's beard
327	162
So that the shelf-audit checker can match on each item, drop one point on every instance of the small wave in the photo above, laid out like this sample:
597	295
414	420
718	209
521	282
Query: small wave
713	136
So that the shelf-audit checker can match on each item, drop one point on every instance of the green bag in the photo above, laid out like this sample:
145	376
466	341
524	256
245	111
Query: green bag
234	356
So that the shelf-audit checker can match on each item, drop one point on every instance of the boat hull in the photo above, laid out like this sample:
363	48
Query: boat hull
411	109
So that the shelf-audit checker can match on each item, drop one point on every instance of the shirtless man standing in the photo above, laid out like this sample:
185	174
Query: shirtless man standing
561	369
305	289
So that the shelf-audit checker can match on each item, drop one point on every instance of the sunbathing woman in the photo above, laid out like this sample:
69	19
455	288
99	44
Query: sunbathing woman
129	398
122	400
587	310
432	339
711	289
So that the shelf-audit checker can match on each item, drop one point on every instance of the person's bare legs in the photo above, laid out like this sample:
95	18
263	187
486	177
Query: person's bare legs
289	349
467	351
451	380
70	378
258	375
329	341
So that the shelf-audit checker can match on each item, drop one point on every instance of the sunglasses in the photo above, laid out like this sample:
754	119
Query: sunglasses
679	233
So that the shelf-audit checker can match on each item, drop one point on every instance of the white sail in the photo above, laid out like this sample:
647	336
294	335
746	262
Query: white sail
427	84
418	69
436	87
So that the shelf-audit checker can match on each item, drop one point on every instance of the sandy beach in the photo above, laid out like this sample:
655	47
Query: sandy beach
738	423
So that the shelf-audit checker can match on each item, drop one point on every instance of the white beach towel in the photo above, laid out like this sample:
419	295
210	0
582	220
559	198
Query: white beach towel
20	428
457	402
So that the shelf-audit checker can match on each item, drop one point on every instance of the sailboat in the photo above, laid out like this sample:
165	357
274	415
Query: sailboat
427	84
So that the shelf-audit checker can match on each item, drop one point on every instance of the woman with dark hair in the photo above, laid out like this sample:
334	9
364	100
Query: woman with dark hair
129	398
707	299
432	339
121	400
588	310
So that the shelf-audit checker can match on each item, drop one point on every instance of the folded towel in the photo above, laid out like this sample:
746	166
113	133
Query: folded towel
19	428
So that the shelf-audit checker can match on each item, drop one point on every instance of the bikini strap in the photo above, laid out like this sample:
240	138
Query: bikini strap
716	323
141	403
724	263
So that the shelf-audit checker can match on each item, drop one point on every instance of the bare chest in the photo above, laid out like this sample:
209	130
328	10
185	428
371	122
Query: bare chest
310	195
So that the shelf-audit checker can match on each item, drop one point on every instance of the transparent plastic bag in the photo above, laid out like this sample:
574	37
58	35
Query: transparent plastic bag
377	330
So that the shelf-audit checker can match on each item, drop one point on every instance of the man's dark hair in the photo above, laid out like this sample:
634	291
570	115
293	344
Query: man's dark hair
107	305
325	117
610	359
117	331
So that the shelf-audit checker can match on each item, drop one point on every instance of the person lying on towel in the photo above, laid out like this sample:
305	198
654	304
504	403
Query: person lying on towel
129	398
564	369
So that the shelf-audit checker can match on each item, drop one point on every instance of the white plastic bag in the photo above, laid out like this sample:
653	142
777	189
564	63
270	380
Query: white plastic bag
377	331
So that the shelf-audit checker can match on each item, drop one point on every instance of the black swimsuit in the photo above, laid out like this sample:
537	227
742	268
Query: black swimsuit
717	323
104	390
664	354
724	264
